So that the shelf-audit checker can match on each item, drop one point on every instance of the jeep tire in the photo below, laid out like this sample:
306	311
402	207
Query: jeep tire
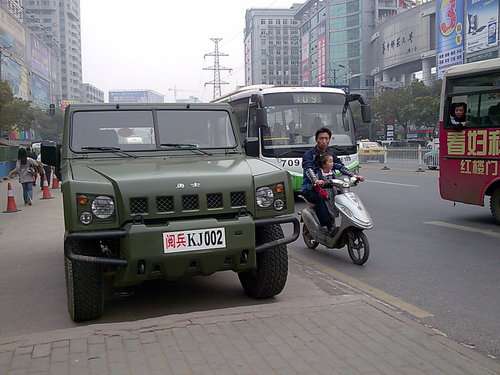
84	283
269	278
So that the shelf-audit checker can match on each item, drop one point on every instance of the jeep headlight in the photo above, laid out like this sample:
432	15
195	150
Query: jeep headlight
264	197
103	207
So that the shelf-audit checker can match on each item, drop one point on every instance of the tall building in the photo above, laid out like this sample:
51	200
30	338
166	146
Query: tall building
335	40
135	96
57	22
272	49
91	94
14	7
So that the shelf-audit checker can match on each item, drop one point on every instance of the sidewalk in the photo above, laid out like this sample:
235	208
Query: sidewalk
344	334
18	193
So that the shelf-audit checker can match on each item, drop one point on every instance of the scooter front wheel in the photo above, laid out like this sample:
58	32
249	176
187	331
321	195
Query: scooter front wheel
308	240
358	247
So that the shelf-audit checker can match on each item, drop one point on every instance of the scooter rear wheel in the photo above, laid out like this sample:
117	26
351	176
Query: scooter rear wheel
358	247
308	240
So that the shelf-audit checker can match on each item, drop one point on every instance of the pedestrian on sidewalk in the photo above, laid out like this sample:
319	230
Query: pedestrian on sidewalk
26	168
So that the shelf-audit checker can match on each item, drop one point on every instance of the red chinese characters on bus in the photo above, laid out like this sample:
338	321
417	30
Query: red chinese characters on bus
480	143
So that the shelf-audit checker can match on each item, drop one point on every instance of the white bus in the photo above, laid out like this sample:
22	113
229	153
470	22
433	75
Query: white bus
293	116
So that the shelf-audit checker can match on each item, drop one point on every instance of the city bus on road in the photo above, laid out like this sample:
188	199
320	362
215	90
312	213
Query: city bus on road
293	116
469	134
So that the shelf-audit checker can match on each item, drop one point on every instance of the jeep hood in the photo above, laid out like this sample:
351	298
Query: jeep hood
172	176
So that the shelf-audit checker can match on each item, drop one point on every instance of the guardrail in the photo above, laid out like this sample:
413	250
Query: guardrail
418	158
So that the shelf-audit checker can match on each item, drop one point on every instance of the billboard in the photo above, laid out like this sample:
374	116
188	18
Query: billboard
40	91
12	35
16	75
128	96
39	58
135	96
482	25
450	29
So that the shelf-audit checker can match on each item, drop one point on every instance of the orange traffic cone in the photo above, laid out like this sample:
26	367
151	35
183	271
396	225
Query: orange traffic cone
55	182
45	189
11	200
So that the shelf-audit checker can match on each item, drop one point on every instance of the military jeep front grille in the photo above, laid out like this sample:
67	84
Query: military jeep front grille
238	199
190	202
164	204
138	205
214	200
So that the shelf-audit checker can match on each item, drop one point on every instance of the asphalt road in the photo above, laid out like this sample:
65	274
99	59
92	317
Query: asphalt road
442	259
433	260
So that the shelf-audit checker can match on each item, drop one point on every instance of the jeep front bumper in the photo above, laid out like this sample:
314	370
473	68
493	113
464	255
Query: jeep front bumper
142	254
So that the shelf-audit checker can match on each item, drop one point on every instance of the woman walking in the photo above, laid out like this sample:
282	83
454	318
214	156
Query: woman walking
26	168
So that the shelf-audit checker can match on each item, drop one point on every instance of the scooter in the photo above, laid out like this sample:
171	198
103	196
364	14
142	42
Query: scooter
350	216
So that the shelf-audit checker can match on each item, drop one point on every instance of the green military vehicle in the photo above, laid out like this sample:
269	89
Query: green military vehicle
165	191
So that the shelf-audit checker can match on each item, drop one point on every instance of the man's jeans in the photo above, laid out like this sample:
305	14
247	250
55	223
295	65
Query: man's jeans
320	207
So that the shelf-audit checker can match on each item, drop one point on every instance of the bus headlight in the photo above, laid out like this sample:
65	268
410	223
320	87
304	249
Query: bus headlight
103	207
264	197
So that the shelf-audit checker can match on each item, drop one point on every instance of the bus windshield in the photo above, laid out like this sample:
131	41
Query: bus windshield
293	118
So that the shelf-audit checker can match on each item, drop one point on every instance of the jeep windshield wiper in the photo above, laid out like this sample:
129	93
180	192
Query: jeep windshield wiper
115	150
185	146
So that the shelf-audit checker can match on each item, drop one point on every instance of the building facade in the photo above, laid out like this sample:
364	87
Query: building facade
135	96
404	45
57	22
272	49
27	63
91	94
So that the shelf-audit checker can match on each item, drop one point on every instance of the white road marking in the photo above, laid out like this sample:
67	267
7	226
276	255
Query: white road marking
378	294
464	228
391	183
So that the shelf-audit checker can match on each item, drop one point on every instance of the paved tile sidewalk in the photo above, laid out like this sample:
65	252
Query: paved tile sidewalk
345	334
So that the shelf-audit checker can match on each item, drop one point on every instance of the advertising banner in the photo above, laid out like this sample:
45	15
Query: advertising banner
40	91
322	60
450	40
39	58
482	25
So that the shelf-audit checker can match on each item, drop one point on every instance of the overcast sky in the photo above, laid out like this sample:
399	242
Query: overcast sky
159	44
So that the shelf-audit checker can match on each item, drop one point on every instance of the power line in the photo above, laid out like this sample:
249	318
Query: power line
216	83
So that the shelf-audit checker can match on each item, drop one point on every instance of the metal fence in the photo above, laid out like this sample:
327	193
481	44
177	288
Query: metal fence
418	158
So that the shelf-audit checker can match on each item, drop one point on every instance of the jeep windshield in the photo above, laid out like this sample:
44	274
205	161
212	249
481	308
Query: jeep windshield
138	130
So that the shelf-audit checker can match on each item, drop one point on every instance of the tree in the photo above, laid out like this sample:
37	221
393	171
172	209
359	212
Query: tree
49	127
415	104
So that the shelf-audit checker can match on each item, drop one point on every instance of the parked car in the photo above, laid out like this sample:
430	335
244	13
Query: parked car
368	150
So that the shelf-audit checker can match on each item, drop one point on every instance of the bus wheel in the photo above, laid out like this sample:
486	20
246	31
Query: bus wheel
495	205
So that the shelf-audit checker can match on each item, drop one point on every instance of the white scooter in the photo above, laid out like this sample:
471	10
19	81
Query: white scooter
351	219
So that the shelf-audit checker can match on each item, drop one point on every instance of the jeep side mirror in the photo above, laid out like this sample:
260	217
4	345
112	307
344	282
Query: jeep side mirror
50	155
252	146
366	113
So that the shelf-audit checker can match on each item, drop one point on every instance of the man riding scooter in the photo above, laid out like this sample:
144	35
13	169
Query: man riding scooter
312	183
